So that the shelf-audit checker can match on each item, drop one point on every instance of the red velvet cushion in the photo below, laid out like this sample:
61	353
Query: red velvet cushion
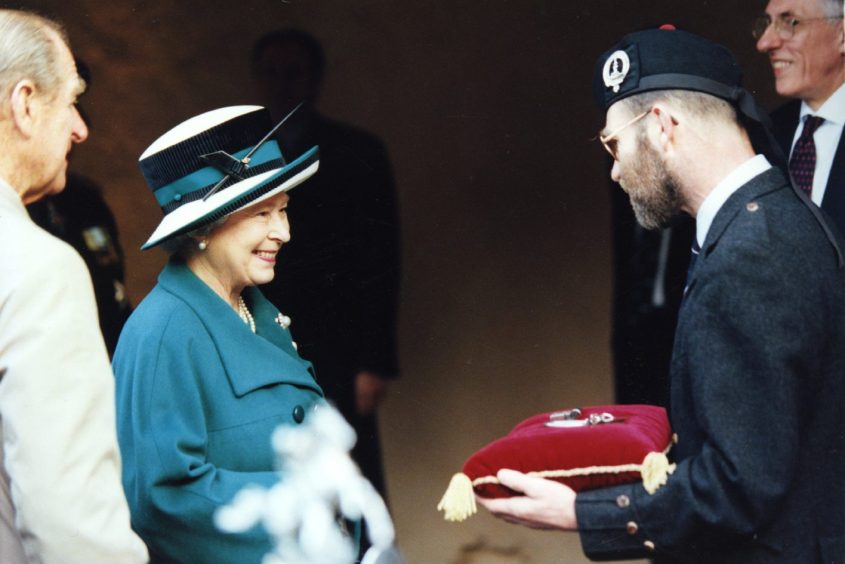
603	454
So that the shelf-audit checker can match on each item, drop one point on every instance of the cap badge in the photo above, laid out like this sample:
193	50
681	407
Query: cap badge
616	69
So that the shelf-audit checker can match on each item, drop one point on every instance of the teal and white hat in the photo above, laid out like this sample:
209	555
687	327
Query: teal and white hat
217	163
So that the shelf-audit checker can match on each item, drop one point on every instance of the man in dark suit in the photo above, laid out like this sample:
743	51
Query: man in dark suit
757	371
805	43
339	278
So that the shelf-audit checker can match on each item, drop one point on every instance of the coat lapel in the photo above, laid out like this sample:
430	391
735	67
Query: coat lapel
250	360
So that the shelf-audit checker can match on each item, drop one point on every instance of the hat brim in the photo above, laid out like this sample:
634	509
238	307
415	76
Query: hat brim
250	191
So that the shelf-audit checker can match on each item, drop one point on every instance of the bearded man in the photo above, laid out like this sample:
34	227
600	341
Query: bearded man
759	354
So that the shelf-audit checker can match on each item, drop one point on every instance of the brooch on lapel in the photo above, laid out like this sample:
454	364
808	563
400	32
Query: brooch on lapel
283	321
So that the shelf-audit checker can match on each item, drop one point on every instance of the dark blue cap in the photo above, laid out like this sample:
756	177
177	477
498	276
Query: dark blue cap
665	59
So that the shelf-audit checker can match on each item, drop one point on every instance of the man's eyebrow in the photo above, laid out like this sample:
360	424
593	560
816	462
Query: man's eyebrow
81	86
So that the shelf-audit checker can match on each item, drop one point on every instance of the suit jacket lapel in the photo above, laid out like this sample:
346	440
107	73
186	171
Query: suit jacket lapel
834	194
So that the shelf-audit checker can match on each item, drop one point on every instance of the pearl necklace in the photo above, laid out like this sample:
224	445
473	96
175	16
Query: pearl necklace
244	314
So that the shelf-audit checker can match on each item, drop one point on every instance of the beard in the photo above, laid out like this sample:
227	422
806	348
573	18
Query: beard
653	190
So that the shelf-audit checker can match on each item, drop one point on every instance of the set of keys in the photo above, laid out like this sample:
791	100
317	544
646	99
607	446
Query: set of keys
572	418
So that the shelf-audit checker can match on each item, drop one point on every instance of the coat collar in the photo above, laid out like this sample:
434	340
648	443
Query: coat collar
764	183
251	360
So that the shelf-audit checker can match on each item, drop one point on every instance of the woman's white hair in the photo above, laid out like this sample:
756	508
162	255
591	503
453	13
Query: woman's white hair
185	245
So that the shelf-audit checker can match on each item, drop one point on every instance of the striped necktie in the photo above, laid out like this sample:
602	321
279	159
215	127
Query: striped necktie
802	163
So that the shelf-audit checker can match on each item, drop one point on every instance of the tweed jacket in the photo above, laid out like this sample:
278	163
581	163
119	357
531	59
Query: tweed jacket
198	398
758	385
60	494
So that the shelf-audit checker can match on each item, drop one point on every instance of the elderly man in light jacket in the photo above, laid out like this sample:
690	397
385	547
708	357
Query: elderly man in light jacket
60	494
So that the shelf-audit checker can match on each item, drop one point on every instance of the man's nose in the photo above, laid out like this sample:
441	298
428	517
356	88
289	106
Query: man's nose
769	40
79	133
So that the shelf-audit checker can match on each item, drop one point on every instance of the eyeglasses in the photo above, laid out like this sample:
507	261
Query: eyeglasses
609	141
784	25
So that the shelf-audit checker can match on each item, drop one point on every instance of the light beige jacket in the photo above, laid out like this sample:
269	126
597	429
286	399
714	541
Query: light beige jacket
61	498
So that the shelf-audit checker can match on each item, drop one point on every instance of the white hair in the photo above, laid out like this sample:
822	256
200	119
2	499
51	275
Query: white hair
28	51
832	8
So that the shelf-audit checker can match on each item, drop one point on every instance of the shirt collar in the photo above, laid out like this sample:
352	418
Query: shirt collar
833	110
737	178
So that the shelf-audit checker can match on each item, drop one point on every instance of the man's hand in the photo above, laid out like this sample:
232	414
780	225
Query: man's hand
545	505
370	390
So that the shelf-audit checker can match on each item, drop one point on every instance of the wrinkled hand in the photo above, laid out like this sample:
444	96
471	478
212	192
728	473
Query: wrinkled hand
370	390
545	505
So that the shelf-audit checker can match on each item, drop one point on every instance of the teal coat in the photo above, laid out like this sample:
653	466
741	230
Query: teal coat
198	397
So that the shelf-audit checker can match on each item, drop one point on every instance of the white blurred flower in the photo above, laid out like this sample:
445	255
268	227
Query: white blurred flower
319	484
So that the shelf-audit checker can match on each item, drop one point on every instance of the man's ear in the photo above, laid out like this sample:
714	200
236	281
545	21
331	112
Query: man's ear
22	106
667	125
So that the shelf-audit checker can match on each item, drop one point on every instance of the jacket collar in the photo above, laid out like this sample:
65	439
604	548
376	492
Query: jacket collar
764	183
251	360
733	181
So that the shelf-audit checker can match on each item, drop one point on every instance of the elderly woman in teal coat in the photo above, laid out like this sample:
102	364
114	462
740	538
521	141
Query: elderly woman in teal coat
206	369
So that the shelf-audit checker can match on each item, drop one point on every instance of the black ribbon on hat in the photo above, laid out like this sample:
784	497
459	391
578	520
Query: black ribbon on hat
199	193
232	167
226	163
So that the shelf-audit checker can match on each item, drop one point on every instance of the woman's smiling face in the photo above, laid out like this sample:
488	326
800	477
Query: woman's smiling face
242	251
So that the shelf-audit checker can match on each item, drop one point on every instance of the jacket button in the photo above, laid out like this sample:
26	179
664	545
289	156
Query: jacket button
623	501
649	546
298	413
632	528
752	206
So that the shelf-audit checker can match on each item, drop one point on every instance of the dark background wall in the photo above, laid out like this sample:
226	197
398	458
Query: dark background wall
485	107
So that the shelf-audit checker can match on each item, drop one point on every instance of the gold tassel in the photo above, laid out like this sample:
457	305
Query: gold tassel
655	471
458	502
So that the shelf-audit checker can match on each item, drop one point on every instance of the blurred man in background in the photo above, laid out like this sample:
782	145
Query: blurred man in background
339	278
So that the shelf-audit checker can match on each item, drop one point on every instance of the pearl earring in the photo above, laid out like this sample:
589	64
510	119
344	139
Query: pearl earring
203	245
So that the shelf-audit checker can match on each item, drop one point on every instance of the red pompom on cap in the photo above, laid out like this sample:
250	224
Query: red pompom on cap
668	27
